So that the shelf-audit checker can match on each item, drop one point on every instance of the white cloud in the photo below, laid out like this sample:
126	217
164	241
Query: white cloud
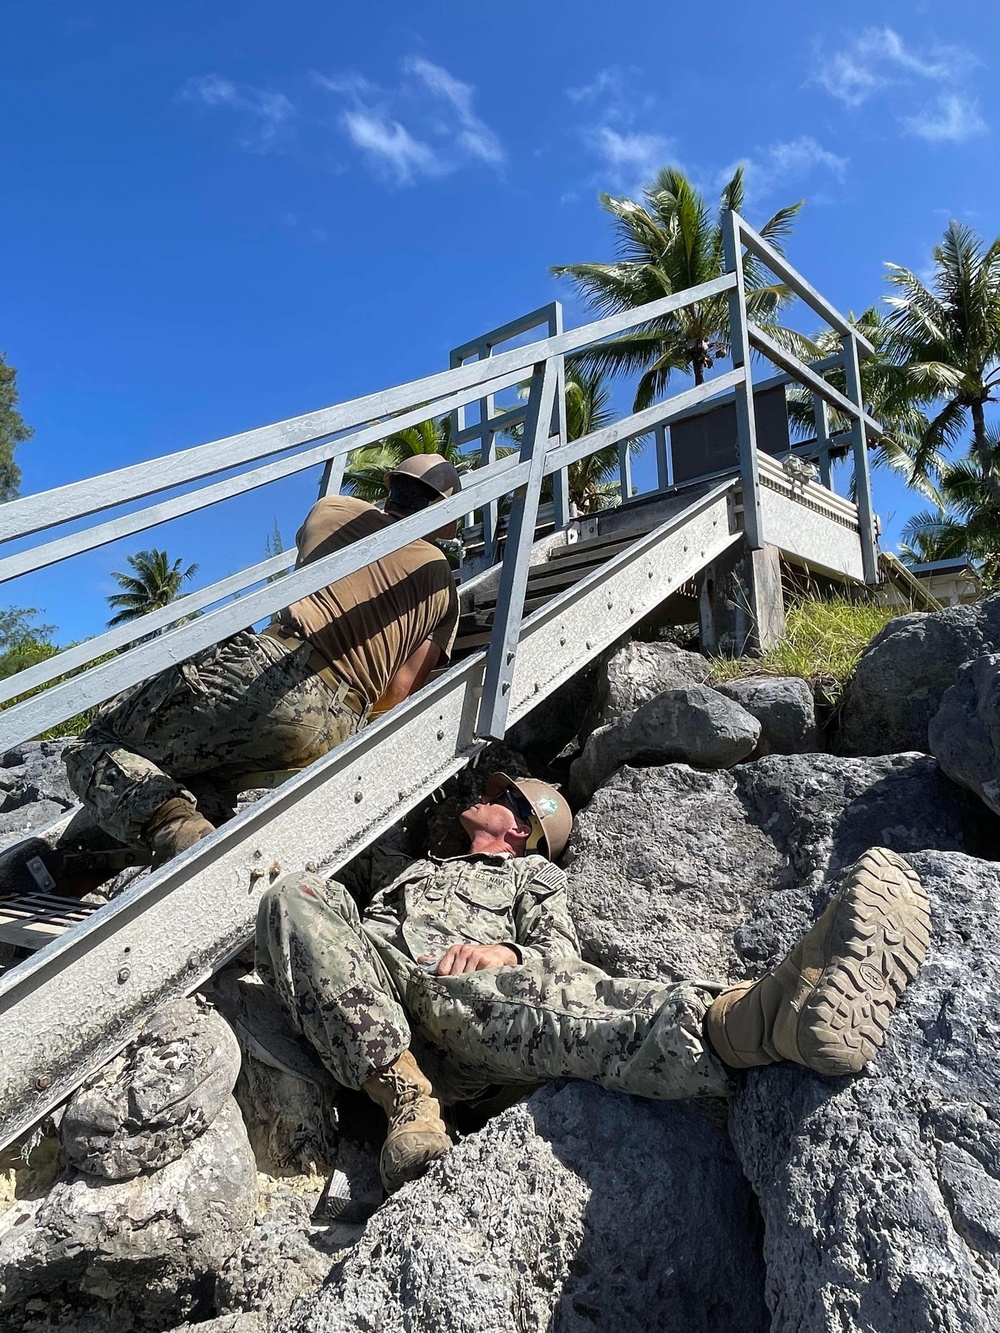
392	147
425	129
952	118
629	160
878	58
264	114
878	62
351	84
471	134
794	160
605	81
786	165
629	153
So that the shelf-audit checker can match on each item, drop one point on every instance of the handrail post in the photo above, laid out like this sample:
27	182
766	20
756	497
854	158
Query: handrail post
821	416
862	472
333	476
487	455
746	422
560	479
662	465
509	611
457	415
624	470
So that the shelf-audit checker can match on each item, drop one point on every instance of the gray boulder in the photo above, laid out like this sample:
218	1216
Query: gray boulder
639	671
904	671
148	1104
665	864
576	1210
694	725
784	707
18	822
881	1194
146	1249
284	1256
35	771
964	733
33	788
288	1100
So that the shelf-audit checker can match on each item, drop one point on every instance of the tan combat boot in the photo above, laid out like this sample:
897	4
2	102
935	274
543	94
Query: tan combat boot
828	1003
416	1131
174	828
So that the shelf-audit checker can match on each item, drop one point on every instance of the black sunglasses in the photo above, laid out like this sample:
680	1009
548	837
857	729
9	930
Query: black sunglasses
516	803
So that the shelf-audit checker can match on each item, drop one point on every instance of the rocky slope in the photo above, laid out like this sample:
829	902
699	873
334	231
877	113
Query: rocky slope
807	1204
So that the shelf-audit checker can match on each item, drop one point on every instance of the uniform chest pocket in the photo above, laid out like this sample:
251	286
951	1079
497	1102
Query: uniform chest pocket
486	895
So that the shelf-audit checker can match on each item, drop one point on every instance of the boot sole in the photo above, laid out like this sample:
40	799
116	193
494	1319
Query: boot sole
408	1160
879	938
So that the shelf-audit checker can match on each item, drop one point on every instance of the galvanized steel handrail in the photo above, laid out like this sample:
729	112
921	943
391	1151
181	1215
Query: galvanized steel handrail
738	235
33	513
447	392
807	375
792	278
137	521
70	697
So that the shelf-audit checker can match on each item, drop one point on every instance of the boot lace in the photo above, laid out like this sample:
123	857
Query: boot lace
407	1101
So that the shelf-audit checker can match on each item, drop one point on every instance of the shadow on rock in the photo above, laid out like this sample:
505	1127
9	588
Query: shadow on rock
574	1210
881	1194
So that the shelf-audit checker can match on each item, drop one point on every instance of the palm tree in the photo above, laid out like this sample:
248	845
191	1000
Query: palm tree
933	535
364	475
666	244
889	395
593	480
965	520
947	337
153	583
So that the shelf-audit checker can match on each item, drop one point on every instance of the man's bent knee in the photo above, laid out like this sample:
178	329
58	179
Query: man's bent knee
303	906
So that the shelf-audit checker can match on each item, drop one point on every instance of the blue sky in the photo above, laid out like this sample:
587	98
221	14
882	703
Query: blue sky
213	215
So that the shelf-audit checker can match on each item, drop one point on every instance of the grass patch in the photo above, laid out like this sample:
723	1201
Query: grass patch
823	641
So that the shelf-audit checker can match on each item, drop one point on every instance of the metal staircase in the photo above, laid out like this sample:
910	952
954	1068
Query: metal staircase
534	617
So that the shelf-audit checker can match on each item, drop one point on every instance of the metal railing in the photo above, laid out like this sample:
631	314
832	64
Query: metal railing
327	437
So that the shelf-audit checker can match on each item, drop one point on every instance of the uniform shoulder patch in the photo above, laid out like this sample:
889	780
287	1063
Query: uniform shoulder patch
549	876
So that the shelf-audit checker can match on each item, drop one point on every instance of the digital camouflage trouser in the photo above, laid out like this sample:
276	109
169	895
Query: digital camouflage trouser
245	705
360	1007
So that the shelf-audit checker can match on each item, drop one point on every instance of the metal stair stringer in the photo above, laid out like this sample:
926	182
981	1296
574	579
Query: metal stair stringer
73	1005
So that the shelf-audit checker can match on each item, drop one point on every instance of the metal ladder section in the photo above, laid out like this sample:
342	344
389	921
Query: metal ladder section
69	1007
66	1010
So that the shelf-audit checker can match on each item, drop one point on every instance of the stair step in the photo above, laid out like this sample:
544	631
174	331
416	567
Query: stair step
31	920
594	546
542	589
480	636
553	576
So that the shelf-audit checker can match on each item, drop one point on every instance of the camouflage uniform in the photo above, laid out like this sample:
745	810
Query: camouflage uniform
355	991
245	705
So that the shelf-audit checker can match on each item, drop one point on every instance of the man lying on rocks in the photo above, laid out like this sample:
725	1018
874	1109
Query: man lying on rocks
465	973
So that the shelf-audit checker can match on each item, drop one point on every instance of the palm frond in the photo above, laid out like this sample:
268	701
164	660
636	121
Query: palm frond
669	243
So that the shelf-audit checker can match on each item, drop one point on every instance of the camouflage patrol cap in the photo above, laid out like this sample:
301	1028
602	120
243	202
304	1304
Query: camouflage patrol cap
431	469
553	819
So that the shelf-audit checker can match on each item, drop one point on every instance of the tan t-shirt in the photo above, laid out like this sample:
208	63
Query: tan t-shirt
368	624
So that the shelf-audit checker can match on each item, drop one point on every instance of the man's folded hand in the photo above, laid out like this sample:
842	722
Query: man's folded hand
471	958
